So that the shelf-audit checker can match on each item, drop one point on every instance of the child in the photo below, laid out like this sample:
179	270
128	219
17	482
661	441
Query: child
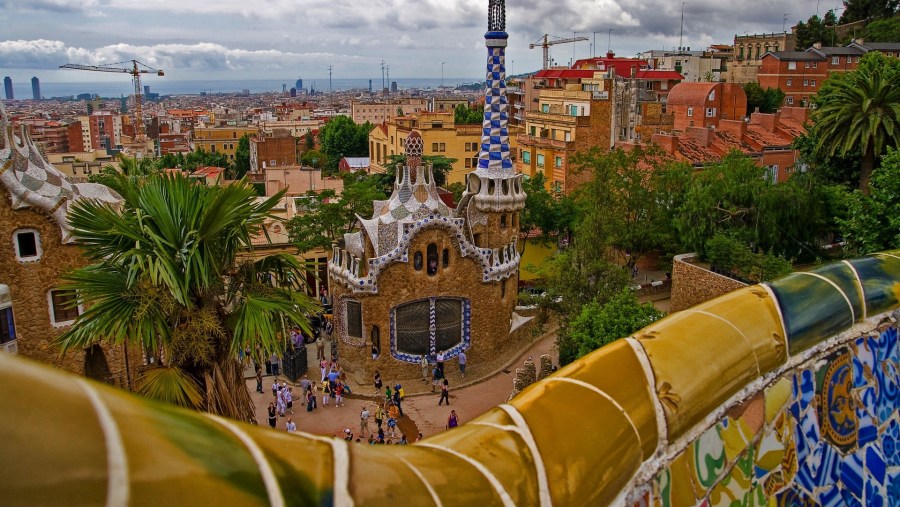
326	393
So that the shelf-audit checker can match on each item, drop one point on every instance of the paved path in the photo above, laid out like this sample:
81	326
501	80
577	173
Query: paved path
422	411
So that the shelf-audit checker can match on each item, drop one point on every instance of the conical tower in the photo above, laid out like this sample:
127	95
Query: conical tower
494	196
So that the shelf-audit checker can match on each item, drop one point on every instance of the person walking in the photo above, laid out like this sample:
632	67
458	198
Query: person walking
445	393
453	420
320	348
275	364
272	417
462	363
425	368
323	367
378	383
379	416
314	390
289	399
440	362
392	418
280	403
259	386
290	426
339	394
326	392
437	375
398	399
364	422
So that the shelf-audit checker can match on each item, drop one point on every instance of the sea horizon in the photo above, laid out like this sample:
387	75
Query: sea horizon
196	87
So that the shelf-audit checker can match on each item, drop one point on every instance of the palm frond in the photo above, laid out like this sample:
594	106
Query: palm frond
171	385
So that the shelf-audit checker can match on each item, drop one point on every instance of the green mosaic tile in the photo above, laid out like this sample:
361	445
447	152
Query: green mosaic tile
812	309
880	276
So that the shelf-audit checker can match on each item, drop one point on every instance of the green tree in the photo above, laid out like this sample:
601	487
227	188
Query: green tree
859	111
598	325
242	157
814	30
465	115
167	275
310	141
767	100
326	217
858	10
541	211
341	137
441	166
883	30
458	190
873	222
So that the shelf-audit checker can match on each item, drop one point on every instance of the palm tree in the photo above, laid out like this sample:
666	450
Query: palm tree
859	113
171	273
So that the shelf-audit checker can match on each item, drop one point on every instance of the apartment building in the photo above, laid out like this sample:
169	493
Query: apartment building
441	137
800	74
705	104
221	139
379	111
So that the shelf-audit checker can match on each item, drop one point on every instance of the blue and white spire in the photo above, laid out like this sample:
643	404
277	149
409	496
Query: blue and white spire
493	160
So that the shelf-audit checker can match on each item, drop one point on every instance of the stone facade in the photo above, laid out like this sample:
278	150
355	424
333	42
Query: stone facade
692	284
31	282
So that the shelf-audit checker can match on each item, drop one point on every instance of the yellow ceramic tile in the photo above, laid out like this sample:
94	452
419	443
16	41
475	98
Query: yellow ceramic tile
683	492
755	314
580	434
188	453
615	370
736	436
770	452
38	472
777	395
699	361
304	467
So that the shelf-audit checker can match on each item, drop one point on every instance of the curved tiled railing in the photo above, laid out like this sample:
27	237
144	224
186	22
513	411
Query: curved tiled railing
723	402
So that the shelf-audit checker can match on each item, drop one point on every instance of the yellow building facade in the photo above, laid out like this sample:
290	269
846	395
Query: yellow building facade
221	139
440	135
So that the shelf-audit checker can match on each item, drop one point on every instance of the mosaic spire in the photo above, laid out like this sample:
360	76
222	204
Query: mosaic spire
494	156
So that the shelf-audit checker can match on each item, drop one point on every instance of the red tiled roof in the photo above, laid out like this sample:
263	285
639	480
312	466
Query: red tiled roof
564	74
658	74
690	94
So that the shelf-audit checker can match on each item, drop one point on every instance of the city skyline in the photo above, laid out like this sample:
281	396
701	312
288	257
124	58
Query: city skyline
215	40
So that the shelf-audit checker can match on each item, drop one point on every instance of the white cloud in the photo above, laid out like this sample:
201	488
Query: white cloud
200	56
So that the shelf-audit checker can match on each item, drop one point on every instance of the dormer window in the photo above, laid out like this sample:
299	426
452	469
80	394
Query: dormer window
27	243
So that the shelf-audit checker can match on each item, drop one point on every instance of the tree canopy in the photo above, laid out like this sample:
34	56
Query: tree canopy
341	137
166	275
872	222
465	115
859	112
858	10
768	100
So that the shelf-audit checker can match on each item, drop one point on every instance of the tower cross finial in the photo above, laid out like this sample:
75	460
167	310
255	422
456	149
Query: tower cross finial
497	15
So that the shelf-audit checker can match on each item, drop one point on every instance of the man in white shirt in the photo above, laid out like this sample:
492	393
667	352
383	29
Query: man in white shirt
291	426
364	422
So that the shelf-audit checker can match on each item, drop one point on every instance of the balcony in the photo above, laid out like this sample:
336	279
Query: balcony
543	142
566	94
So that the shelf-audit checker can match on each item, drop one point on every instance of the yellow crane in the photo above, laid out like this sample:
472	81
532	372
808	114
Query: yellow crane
545	43
135	72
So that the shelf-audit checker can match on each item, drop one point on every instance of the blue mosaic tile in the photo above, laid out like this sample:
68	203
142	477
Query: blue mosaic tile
849	499
868	431
830	497
852	474
874	494
891	444
893	488
888	392
875	466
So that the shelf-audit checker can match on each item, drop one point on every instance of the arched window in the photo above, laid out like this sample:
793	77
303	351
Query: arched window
432	259
376	342
417	261
446	257
503	220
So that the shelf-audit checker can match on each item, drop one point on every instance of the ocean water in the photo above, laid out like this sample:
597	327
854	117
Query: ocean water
169	87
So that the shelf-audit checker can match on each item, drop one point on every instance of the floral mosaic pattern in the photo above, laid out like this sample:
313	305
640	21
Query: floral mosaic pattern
827	433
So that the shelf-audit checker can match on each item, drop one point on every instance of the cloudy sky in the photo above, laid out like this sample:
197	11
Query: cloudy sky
286	39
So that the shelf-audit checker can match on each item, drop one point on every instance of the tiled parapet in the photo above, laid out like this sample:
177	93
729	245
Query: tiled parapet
739	400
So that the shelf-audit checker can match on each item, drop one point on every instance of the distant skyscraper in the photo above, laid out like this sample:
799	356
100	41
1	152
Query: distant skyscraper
7	85
293	92
370	86
393	87
146	90
299	84
36	88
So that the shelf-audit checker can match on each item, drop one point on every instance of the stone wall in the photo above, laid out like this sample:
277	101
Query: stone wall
30	283
693	284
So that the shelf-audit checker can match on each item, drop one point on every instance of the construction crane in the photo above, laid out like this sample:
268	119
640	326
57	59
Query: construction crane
545	43
135	72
